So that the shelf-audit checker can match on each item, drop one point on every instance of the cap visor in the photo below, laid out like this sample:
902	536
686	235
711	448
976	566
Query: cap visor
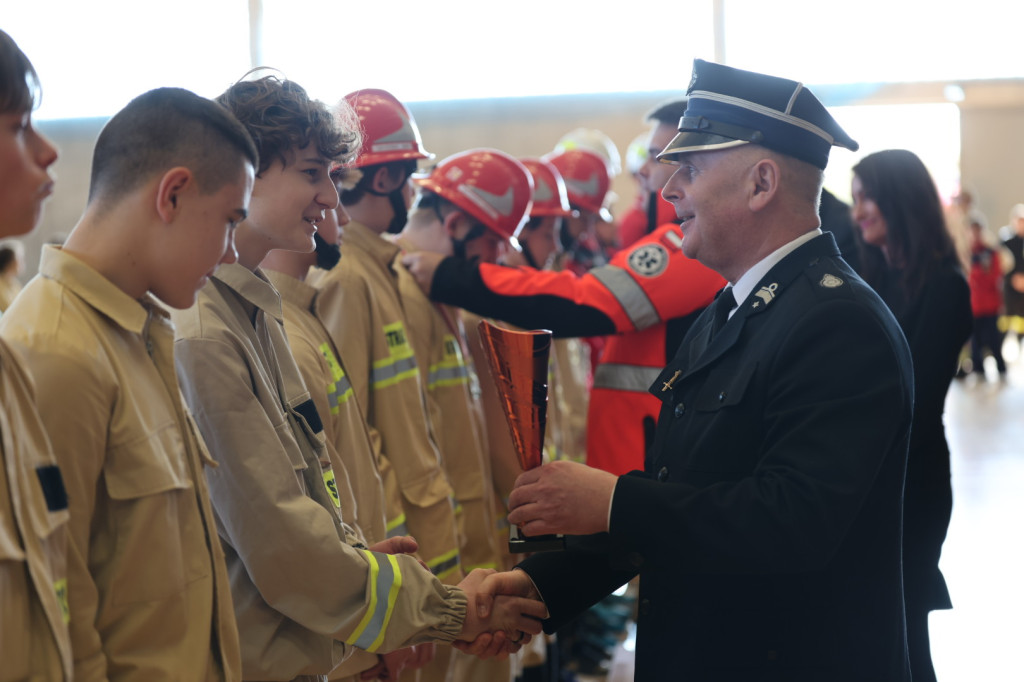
692	141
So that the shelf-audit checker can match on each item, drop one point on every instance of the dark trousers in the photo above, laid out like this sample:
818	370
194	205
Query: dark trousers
987	336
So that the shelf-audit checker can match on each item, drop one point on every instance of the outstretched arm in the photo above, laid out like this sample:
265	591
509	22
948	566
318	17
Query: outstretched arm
650	282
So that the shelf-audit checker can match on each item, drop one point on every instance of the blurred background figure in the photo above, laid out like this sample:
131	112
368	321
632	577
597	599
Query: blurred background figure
592	232
910	260
959	217
570	376
12	259
588	182
835	218
986	279
633	222
588	177
1013	281
650	210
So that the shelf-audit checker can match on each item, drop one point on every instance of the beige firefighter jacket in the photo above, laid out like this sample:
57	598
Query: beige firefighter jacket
33	538
453	394
345	429
147	586
304	595
351	454
360	307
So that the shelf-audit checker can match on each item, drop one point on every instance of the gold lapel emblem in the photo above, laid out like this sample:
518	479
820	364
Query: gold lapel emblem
667	385
831	282
766	294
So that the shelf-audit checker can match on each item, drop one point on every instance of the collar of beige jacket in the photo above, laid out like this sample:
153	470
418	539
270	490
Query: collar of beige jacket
253	286
98	291
292	290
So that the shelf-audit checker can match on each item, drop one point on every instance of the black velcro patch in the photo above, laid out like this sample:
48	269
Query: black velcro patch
53	487
312	417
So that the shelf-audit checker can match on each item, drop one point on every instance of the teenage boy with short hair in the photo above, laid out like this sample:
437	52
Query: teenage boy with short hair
147	585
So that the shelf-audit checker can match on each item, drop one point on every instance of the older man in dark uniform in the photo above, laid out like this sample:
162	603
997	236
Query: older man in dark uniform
766	525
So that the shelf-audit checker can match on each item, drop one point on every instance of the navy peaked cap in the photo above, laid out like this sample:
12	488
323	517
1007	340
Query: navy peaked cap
729	107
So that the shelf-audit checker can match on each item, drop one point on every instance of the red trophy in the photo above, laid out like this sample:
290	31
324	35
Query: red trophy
518	361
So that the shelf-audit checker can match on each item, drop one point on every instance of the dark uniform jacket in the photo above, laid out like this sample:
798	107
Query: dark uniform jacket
766	525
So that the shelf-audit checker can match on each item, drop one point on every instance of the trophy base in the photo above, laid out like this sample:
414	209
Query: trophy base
521	544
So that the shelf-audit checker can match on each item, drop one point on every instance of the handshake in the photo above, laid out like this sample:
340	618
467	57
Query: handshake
503	611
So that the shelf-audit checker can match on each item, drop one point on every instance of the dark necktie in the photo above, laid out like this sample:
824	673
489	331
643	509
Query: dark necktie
722	305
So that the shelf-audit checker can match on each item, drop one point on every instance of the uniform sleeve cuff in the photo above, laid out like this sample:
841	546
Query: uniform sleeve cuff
453	615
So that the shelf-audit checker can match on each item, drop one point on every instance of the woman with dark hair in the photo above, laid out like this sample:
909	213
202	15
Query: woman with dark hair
33	505
909	258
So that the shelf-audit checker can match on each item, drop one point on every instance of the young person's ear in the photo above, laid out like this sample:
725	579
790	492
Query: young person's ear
169	192
384	181
452	222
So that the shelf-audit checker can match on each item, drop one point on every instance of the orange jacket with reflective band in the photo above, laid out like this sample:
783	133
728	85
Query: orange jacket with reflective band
647	295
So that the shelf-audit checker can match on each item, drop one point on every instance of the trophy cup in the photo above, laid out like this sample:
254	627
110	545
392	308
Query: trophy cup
518	361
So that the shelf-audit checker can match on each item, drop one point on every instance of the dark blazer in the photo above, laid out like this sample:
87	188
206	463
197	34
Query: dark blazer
766	525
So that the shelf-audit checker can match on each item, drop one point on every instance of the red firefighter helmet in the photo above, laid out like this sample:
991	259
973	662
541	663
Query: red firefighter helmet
487	184
586	177
389	130
549	196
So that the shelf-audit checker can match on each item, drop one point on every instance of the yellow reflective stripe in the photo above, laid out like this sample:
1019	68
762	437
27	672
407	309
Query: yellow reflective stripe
340	389
396	585
400	363
60	587
445	564
451	370
332	362
447	373
385	581
332	487
397	526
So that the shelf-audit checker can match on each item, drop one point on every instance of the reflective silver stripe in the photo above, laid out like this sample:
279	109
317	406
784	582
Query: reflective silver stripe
392	372
631	295
447	374
381	586
344	388
625	377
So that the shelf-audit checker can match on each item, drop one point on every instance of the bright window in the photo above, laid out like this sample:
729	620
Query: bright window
867	41
932	131
458	49
94	56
